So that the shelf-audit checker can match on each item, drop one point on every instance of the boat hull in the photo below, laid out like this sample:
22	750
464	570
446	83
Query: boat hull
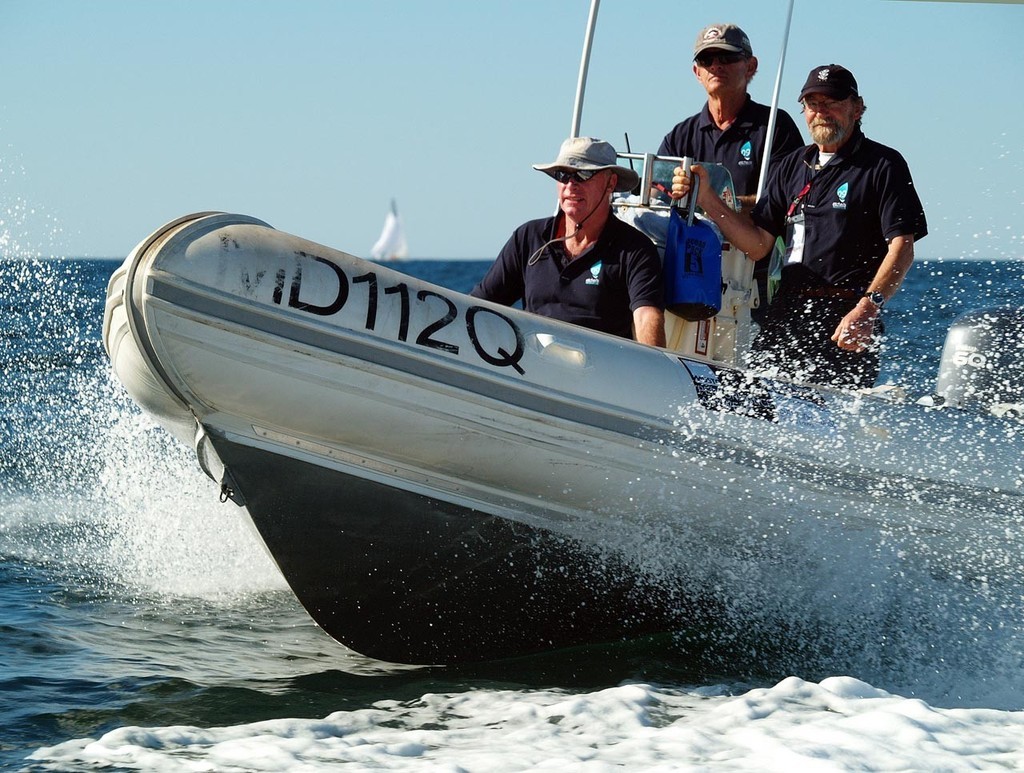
412	579
445	480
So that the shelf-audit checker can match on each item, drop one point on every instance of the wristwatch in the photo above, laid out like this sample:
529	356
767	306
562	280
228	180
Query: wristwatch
876	298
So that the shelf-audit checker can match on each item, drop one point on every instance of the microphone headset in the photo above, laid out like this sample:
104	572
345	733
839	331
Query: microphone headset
612	179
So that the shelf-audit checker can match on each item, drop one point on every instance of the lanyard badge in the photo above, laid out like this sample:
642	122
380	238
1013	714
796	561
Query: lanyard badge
796	202
795	228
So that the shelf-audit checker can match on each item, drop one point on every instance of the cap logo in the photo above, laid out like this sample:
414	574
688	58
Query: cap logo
823	74
713	34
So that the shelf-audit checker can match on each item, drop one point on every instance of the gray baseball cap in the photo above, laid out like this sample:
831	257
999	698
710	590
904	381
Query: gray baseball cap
723	37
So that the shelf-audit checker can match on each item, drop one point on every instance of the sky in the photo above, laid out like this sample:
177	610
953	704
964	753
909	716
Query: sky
118	116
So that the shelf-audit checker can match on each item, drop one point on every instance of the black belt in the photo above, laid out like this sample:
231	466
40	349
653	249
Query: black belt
827	292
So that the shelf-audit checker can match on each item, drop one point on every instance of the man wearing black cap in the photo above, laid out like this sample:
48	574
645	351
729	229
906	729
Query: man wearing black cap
584	265
732	129
848	211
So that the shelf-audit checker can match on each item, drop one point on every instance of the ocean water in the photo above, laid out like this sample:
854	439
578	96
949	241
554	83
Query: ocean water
143	627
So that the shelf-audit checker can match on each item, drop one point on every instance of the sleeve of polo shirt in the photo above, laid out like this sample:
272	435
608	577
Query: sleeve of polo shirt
787	138
769	212
503	283
899	208
646	280
675	143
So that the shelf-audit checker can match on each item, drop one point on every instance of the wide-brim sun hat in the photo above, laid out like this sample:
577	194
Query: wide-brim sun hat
588	153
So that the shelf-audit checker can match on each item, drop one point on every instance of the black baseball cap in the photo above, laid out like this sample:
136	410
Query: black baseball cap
832	80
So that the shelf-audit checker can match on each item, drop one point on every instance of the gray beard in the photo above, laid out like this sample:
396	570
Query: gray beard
832	134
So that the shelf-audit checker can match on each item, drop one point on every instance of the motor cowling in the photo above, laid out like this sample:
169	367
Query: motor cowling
982	363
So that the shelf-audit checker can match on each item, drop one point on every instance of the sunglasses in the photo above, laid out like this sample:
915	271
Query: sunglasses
579	176
707	60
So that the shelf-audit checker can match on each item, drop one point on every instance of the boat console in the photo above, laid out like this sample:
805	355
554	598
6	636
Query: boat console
725	337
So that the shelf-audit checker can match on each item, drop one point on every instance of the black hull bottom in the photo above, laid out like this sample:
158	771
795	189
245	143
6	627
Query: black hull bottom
405	578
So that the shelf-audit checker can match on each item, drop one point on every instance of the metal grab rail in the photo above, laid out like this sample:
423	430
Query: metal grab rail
720	178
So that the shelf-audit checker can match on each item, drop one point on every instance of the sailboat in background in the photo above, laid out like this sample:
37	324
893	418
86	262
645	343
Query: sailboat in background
390	245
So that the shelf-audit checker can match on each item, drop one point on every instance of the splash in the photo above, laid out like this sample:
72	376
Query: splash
89	483
815	569
791	585
26	230
162	520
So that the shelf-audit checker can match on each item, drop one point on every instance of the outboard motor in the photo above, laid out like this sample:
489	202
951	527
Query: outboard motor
982	366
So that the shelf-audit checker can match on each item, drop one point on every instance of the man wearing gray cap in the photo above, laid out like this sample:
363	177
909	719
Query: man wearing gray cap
848	211
583	265
732	129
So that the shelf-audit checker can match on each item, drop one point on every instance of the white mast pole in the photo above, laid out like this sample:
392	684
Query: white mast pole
581	84
775	106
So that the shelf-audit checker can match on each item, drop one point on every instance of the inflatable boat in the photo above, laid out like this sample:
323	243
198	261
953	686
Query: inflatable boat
442	480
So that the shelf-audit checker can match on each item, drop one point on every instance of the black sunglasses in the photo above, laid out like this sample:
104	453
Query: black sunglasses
707	60
579	176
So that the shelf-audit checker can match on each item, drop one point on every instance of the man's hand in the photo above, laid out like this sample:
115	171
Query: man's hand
681	182
737	229
856	331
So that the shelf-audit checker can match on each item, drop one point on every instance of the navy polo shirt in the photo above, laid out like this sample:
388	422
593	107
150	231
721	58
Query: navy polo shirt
863	197
740	148
599	290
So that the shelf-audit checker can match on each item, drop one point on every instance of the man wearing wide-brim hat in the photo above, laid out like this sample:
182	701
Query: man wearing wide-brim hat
849	215
583	265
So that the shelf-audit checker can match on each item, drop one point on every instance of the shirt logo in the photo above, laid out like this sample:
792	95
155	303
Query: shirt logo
841	192
745	151
595	274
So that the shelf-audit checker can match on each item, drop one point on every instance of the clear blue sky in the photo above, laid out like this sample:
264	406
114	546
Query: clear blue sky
117	116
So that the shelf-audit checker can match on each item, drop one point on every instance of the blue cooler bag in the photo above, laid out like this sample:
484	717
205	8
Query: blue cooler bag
693	267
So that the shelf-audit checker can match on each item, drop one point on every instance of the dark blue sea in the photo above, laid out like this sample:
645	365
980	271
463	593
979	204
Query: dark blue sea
143	627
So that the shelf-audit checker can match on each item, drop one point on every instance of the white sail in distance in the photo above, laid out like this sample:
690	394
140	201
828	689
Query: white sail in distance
390	245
